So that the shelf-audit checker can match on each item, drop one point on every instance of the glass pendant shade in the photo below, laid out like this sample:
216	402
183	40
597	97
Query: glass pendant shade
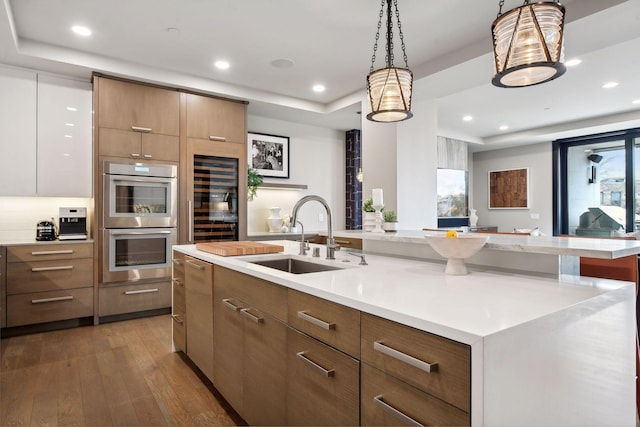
390	94
528	45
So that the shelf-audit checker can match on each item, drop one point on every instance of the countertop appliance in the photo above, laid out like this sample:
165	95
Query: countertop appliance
73	224
46	230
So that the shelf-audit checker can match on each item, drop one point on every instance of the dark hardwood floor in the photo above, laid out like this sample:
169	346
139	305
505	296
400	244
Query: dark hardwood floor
116	374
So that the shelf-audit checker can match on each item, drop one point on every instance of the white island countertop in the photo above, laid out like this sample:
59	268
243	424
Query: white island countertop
549	245
419	294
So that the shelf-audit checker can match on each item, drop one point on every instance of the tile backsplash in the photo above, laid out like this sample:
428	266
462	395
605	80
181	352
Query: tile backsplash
20	215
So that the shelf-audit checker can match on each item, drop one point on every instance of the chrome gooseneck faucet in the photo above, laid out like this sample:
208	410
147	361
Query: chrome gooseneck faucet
331	244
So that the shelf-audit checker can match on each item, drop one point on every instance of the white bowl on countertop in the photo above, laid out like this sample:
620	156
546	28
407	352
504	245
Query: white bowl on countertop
456	250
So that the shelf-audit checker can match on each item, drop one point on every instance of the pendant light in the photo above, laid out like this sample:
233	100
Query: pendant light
389	89
528	44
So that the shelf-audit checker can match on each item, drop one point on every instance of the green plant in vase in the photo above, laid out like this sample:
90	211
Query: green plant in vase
390	221
254	180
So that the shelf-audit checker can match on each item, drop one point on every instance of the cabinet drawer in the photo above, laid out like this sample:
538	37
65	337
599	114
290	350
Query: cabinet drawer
179	331
179	296
406	353
323	384
263	295
347	242
132	298
26	309
49	252
332	323
388	401
40	276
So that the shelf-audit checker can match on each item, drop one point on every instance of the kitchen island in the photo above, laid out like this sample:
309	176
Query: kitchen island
543	350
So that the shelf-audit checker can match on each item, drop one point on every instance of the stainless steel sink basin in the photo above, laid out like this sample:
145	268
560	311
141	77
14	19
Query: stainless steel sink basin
295	266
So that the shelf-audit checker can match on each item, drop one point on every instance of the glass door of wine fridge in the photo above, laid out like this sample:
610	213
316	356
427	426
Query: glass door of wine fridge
214	202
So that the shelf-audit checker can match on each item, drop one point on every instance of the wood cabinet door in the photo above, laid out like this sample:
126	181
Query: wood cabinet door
228	342
216	119
123	105
199	301
160	147
323	384
120	143
265	374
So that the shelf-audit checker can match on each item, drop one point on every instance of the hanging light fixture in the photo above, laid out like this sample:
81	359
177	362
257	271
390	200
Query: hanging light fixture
528	44
389	89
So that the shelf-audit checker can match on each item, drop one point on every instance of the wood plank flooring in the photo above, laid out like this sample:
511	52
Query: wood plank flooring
116	374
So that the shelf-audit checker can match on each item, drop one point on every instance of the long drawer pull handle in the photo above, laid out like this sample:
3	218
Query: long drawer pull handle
135	155
217	138
342	242
62	267
177	261
147	156
66	251
245	312
141	291
403	357
394	412
140	129
227	303
326	372
176	318
315	321
178	282
40	301
194	265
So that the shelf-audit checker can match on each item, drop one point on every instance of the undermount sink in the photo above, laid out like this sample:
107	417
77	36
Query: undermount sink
295	266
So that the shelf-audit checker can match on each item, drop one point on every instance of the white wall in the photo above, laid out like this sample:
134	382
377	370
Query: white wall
401	158
20	215
317	159
536	157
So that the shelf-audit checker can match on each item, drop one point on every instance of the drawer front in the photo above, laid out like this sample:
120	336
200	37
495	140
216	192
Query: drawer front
179	330
132	298
40	307
323	384
263	295
387	401
48	252
179	297
178	265
40	276
347	242
331	323
405	353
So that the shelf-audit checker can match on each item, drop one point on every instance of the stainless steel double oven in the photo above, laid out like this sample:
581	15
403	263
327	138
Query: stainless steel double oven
140	219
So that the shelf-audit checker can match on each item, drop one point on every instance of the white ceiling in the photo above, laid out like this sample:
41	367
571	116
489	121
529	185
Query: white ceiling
330	42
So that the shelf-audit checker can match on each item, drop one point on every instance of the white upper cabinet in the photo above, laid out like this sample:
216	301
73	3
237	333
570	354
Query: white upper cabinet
64	137
18	137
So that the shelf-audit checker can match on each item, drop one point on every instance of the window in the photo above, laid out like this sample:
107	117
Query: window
593	176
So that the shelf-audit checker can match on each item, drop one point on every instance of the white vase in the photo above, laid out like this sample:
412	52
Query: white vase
274	221
390	226
473	218
368	221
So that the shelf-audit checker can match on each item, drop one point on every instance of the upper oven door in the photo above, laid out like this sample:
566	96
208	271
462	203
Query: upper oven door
139	201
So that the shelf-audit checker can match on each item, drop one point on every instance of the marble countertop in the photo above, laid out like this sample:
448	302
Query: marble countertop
550	245
33	241
419	294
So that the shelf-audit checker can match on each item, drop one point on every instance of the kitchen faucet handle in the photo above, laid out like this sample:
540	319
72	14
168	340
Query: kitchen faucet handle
361	256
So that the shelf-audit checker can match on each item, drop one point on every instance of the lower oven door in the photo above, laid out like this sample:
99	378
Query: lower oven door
131	254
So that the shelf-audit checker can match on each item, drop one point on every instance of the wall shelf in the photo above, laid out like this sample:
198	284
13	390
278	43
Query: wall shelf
281	186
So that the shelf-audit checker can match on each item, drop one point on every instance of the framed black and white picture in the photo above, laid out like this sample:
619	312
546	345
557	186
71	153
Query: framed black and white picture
269	154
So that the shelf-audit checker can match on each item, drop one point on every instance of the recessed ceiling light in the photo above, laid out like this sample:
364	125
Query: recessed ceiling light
72	109
504	127
636	101
282	63
467	118
318	88
81	30
68	136
222	65
609	85
69	124
573	62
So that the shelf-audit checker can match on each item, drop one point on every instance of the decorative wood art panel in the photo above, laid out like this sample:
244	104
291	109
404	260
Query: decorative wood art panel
509	189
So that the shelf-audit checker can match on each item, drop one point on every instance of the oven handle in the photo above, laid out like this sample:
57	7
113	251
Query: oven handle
142	179
190	238
129	233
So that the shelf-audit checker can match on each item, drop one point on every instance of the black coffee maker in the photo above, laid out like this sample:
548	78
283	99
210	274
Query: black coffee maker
46	230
